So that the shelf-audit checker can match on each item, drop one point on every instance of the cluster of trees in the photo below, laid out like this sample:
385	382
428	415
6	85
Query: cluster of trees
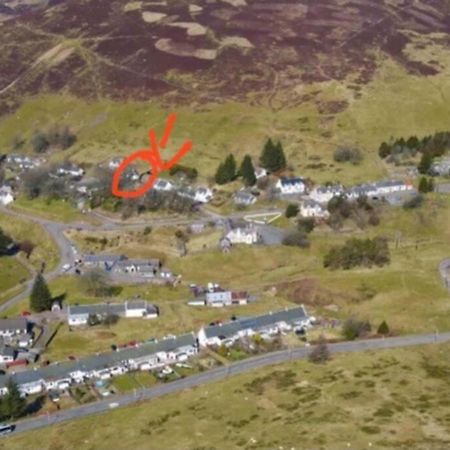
191	173
12	405
299	236
426	185
272	157
354	328
228	171
347	154
38	183
57	138
430	147
358	252
40	298
362	212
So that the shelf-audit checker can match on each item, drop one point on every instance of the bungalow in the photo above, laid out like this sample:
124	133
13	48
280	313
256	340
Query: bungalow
220	298
267	324
378	189
291	185
163	185
323	194
361	190
142	267
6	195
13	327
79	314
106	262
7	354
311	208
243	198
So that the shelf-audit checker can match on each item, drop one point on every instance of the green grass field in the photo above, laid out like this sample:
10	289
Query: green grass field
11	273
387	399
20	229
394	103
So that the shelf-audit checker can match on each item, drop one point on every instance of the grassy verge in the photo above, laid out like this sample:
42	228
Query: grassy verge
386	399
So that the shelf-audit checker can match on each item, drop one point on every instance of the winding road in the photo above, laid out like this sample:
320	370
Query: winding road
221	373
65	246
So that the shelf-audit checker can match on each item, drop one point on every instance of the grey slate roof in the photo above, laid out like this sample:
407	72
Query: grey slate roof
258	322
98	258
100	308
291	181
98	362
13	324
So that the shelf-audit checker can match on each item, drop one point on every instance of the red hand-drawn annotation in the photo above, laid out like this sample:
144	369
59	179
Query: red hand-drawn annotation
153	157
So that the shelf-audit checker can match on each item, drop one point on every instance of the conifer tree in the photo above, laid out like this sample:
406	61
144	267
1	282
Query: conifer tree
247	171
40	297
230	167
12	405
272	156
425	163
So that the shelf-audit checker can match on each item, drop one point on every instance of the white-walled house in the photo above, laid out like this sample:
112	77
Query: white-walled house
323	194
163	185
6	195
7	354
311	208
13	327
294	185
244	198
78	315
243	235
378	189
266	324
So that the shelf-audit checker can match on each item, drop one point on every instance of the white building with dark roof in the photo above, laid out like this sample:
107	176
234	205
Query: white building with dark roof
266	324
311	208
13	327
244	198
294	185
323	194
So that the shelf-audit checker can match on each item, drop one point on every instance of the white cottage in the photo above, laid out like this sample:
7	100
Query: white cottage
291	185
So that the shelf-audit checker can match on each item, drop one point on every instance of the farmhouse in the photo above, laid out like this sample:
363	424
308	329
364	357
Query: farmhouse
13	327
323	194
311	208
241	233
266	325
6	195
291	185
79	314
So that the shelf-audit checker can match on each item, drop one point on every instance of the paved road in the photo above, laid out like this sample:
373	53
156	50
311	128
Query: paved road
444	270
221	373
56	231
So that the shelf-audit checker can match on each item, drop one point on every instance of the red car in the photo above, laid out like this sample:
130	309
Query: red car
25	313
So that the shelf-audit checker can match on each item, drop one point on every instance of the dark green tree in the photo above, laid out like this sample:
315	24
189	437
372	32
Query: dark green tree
383	328
425	163
12	405
39	142
230	167
426	185
247	171
221	177
272	157
40	297
291	210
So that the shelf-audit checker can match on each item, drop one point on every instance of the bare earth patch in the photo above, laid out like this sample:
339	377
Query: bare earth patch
192	28
187	50
236	41
152	17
